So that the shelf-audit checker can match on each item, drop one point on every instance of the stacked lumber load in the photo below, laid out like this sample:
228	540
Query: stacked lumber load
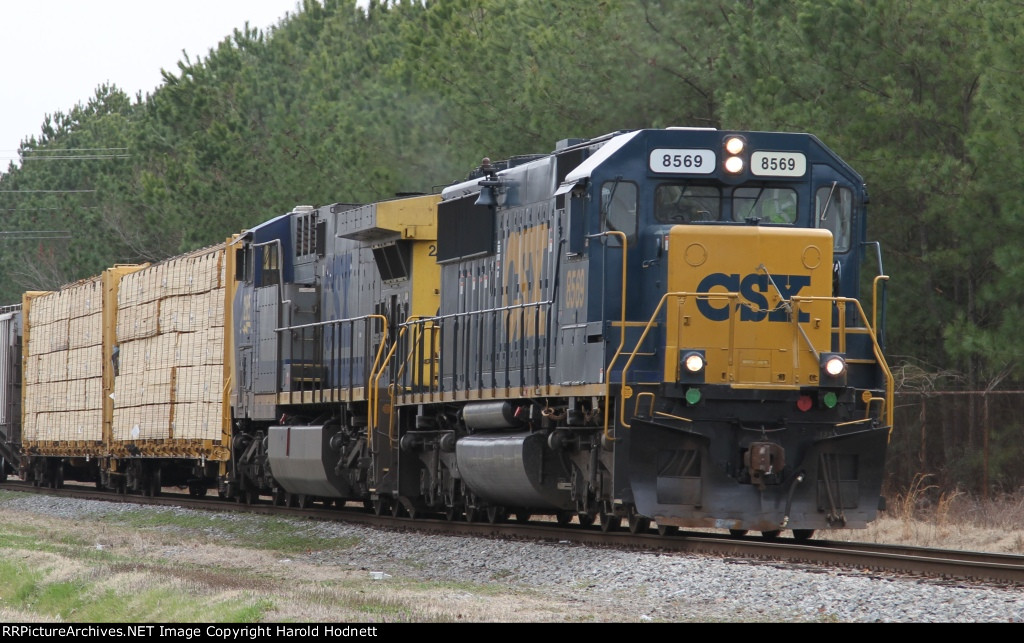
63	365
169	384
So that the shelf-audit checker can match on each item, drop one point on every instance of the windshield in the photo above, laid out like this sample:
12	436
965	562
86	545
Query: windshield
676	203
771	205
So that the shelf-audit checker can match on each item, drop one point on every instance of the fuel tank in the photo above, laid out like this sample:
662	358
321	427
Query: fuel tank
514	470
302	460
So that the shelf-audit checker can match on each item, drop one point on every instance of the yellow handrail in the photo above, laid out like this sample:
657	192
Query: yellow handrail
371	395
377	374
796	301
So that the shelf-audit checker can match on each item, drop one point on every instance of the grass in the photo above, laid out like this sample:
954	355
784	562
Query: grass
166	565
927	516
172	566
272	534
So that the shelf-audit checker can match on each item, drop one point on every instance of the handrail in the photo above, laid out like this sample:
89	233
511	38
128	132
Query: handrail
874	301
438	324
890	386
647	328
371	394
383	367
796	302
622	331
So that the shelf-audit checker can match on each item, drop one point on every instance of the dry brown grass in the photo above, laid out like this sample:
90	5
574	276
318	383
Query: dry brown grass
927	516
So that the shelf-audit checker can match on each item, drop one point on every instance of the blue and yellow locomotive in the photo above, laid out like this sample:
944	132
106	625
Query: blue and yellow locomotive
653	325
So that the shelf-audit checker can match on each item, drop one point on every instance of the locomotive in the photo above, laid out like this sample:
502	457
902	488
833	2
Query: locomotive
658	325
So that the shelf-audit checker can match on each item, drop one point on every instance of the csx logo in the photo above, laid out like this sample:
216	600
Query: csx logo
754	288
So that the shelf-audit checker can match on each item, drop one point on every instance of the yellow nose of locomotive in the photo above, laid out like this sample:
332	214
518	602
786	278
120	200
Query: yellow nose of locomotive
755	302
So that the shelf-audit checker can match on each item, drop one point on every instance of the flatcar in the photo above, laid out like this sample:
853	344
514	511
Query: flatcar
659	325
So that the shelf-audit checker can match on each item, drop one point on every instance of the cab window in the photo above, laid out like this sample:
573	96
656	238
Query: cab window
678	203
270	275
618	209
771	205
833	209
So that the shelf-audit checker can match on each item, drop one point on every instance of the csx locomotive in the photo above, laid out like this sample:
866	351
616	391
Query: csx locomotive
653	325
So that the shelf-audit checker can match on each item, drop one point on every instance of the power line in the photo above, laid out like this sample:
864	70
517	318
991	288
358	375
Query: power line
81	157
77	207
44	191
35	234
99	153
79	149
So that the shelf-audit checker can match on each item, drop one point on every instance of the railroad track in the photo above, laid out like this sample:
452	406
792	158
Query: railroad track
940	565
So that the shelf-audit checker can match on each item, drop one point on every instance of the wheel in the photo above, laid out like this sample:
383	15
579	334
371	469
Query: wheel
496	515
452	514
474	514
639	524
610	522
304	501
737	532
585	519
250	496
803	535
667	530
770	535
563	518
197	490
523	517
381	506
278	497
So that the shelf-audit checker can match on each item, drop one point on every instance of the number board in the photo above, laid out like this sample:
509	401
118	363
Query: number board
679	161
778	164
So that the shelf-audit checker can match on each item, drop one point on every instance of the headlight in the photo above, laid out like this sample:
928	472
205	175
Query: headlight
694	362
691	366
734	165
835	366
734	148
833	370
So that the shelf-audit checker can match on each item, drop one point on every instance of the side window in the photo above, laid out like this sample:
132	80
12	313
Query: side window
243	264
270	274
833	209
771	205
674	203
618	208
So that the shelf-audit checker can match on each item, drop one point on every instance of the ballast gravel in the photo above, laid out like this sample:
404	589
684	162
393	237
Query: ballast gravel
627	586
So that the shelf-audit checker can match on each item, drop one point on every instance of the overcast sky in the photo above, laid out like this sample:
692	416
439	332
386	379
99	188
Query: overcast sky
57	52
